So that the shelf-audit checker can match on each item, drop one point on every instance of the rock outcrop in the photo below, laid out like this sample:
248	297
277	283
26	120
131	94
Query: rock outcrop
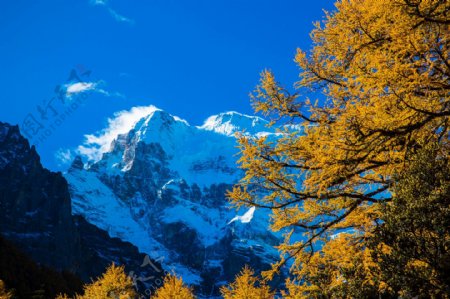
36	215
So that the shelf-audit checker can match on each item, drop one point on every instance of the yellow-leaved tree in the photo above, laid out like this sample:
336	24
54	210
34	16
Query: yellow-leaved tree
383	69
4	293
114	283
173	288
247	286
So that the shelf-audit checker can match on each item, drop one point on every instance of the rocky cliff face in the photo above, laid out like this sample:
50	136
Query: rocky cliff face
161	186
35	203
36	215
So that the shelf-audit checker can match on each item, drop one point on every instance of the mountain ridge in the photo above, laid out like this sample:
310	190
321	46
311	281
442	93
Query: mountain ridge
166	181
37	217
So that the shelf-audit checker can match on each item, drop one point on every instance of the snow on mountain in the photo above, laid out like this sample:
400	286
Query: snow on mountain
94	200
122	122
246	218
161	186
230	123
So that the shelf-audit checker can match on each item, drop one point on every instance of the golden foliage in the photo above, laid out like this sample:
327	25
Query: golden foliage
338	270
114	283
4	293
246	286
383	68
173	288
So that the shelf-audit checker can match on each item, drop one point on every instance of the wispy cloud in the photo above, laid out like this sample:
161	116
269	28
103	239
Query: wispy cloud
117	16
64	156
123	121
81	87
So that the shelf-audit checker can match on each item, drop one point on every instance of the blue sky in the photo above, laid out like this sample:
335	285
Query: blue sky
190	58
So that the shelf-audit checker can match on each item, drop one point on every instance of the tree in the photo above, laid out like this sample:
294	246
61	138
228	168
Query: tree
411	246
114	283
173	288
30	280
338	270
383	68
4	293
247	286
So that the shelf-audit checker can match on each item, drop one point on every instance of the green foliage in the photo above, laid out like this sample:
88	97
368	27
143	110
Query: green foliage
412	245
364	176
383	67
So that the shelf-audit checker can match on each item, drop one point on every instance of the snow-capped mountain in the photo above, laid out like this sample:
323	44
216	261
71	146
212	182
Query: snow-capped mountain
230	123
161	186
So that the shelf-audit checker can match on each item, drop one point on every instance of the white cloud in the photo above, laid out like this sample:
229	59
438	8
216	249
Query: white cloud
99	2
123	121
110	93
118	17
79	87
64	156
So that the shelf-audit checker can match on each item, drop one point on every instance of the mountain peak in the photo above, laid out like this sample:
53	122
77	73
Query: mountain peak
7	129
230	122
159	126
77	163
156	118
149	124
